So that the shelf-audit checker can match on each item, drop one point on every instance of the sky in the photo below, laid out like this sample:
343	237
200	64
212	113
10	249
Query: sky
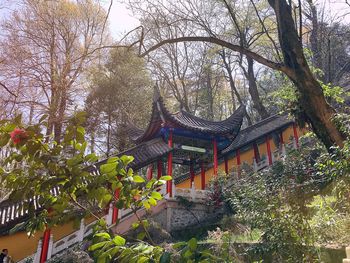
121	20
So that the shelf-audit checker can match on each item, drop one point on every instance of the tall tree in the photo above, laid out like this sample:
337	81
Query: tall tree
121	93
46	46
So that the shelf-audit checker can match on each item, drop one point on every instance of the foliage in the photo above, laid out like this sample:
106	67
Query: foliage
275	202
114	100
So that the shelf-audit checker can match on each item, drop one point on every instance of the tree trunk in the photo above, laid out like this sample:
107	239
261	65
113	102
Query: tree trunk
316	108
234	91
210	112
109	130
253	90
61	112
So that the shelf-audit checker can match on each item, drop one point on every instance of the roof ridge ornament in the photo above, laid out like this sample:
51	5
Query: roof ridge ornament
157	99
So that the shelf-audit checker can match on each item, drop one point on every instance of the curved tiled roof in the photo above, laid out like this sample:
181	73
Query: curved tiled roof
230	126
161	117
257	131
246	136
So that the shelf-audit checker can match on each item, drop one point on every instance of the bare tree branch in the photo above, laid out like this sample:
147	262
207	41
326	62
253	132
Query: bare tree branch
7	89
271	64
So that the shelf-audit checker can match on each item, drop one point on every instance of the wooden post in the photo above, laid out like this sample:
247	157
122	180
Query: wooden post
238	159
170	165
150	172
226	165
115	209
296	138
281	138
45	245
159	169
215	152
202	176
268	148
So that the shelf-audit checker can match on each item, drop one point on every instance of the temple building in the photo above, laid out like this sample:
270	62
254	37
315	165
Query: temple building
188	148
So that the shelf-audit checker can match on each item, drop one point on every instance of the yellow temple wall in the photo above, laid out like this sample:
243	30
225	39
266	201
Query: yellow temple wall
21	246
245	156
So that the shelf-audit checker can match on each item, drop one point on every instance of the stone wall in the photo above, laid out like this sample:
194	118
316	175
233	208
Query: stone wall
176	216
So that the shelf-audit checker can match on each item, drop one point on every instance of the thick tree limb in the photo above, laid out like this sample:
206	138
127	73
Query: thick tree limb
7	89
271	64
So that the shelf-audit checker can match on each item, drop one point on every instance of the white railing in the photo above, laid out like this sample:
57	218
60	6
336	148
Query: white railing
191	193
82	232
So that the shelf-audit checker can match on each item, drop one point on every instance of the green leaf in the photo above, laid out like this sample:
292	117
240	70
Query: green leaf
142	259
165	258
146	204
102	259
179	244
108	168
97	245
135	225
156	195
166	178
141	235
138	179
4	139
103	235
113	159
119	241
192	244
126	159
81	129
9	127
91	158
152	201
188	254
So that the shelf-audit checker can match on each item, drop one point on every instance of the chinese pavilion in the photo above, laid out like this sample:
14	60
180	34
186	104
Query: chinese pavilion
192	141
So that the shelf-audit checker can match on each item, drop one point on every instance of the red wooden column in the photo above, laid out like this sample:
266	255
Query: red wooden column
268	148
150	172
115	209
296	138
226	165
170	165
215	152
191	174
281	138
159	169
202	176
238	159
45	245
